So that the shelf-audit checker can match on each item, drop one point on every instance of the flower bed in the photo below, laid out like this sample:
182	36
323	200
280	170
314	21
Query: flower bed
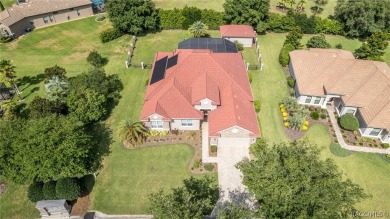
294	117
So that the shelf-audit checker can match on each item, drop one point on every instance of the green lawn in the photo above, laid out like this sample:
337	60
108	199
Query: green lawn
368	170
128	176
7	3
203	4
328	8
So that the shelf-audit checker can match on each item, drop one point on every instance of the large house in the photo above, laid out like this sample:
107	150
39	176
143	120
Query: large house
18	19
360	87
189	86
238	32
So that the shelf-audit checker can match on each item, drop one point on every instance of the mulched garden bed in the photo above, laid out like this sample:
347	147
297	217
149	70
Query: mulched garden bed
193	138
80	206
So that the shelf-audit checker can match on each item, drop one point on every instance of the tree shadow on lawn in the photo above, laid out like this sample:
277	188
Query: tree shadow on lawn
30	80
102	136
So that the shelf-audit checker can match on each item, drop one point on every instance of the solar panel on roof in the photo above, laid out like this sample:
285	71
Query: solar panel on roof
217	45
172	61
159	70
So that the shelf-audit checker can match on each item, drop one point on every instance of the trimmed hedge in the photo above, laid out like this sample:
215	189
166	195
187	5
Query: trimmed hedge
314	115
290	82
349	122
250	77
49	190
239	45
68	188
284	57
110	34
88	182
257	105
35	193
209	167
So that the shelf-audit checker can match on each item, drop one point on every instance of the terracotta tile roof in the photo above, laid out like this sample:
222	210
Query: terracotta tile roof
35	7
198	74
236	30
360	83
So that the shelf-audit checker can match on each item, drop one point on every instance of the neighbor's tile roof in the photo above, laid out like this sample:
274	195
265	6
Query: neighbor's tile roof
35	7
198	74
235	30
360	83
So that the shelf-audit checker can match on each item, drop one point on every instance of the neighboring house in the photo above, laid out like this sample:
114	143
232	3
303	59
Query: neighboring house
360	87
18	19
189	86
241	33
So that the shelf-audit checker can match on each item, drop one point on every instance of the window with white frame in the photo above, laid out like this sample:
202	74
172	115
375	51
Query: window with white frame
186	122
375	132
352	111
317	100
308	100
46	19
156	124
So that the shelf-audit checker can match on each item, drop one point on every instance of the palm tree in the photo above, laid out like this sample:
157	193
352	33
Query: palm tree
7	74
198	29
133	133
56	88
7	107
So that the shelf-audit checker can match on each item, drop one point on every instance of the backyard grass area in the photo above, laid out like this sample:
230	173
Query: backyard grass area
328	8
203	4
8	3
127	176
370	171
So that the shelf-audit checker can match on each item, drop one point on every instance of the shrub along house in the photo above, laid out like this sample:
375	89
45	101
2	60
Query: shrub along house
244	34
359	87
18	19
189	86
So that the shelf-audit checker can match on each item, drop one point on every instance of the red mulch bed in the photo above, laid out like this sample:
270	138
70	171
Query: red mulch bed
80	206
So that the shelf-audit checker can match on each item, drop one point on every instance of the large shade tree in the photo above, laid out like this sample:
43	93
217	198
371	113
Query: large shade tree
289	180
193	200
364	17
47	149
374	47
250	12
133	16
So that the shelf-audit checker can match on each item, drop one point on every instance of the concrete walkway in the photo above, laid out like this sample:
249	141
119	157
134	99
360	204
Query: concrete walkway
341	141
230	152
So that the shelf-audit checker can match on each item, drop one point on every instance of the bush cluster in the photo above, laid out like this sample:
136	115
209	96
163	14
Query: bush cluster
100	17
349	122
284	57
209	167
110	34
213	149
183	18
290	82
239	46
385	145
314	115
257	105
250	77
65	188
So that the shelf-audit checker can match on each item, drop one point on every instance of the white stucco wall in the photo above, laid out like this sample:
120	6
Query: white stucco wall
156	117
176	124
345	109
247	42
205	104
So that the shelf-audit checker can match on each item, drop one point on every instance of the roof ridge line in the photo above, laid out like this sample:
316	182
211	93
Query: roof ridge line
364	82
388	103
343	75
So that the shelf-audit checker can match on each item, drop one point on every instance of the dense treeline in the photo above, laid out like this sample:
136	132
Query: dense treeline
183	18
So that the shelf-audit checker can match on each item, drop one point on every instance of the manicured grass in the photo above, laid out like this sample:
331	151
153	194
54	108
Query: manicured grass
328	8
7	3
124	184
203	4
127	176
370	171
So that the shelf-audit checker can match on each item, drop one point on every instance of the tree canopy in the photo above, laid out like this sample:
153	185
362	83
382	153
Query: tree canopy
250	12
133	16
46	149
96	60
290	181
54	71
374	48
193	200
198	29
294	38
364	17
317	42
41	107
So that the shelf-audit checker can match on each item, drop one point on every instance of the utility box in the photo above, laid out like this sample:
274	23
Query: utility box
53	208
